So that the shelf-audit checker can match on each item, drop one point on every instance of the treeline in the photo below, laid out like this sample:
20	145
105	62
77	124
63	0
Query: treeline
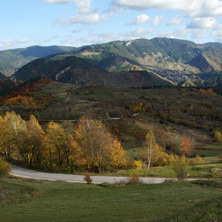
88	146
24	93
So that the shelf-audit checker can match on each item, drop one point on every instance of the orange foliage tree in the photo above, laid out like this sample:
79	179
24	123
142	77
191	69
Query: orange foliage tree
185	147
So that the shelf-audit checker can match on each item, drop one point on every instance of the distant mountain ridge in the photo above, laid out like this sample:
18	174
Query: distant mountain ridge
80	72
174	59
157	53
12	60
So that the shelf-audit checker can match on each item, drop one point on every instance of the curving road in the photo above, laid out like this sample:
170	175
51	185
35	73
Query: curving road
32	174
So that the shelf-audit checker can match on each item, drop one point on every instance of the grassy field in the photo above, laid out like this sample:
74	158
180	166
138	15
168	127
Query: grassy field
60	201
211	167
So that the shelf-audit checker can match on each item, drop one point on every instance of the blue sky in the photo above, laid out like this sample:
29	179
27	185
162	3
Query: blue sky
81	22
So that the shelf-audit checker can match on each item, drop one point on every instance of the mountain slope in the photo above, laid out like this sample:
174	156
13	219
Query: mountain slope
80	72
161	55
157	53
215	83
2	76
6	86
12	60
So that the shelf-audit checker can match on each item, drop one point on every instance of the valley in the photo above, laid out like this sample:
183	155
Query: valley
92	111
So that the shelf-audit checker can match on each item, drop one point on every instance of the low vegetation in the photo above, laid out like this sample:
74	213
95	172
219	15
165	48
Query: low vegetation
59	201
13	192
5	168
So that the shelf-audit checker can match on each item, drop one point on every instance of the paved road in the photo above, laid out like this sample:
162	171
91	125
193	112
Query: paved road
32	174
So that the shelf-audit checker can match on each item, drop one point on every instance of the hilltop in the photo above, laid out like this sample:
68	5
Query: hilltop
12	60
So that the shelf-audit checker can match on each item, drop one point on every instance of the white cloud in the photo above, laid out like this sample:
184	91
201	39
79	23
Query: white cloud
178	33
157	20
100	38
175	20
202	23
138	33
141	19
157	4
110	36
198	33
89	18
77	30
192	8
217	33
85	13
10	42
205	8
58	1
82	5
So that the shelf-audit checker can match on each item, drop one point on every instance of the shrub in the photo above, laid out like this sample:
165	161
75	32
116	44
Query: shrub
180	168
134	177
88	179
218	136
5	168
216	172
137	164
197	159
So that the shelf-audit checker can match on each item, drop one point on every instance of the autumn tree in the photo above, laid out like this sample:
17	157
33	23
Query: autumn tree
54	143
185	147
149	148
71	151
3	132
35	136
218	136
99	148
15	135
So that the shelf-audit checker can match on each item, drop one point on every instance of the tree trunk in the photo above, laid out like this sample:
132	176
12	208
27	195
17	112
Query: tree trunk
148	165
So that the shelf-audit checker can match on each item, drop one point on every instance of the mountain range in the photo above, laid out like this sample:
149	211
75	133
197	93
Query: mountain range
157	53
80	72
12	60
165	60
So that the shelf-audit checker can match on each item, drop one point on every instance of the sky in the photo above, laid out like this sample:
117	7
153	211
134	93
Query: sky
75	23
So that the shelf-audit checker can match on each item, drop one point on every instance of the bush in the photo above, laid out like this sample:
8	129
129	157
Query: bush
5	168
134	177
218	136
197	159
216	172
180	168
88	179
137	164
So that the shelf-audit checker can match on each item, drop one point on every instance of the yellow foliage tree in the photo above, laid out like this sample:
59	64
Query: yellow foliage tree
15	135
149	148
35	136
218	136
99	149
54	144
